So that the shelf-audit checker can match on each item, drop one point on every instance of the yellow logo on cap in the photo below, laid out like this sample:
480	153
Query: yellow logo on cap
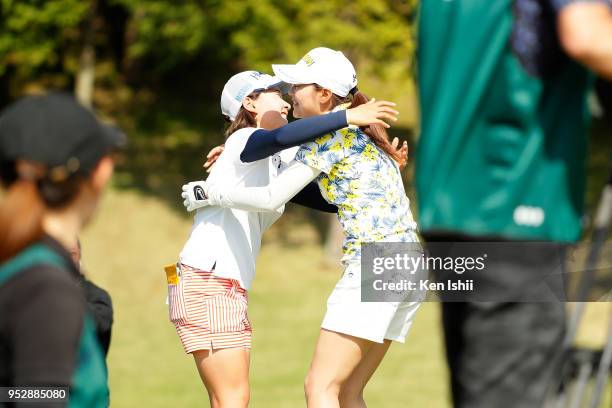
308	60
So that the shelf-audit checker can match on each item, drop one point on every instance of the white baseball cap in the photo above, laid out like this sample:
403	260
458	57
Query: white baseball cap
242	85
322	66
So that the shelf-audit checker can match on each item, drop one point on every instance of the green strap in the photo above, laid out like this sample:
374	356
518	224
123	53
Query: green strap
90	379
34	255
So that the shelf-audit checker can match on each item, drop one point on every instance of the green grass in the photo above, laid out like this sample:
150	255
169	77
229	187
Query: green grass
124	250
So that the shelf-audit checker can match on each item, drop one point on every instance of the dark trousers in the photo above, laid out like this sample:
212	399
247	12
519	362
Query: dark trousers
501	354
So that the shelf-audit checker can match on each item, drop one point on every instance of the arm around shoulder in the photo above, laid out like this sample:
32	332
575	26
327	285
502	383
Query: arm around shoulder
267	198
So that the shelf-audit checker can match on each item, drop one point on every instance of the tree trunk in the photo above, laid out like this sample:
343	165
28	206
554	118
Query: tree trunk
85	78
84	86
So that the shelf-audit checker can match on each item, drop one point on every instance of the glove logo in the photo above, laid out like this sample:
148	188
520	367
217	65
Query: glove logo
198	193
276	161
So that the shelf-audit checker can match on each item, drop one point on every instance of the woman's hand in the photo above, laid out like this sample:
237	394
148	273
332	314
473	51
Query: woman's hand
212	157
403	152
372	113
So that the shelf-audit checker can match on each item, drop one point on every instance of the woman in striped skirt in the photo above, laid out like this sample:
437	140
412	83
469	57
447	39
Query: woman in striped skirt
356	170
208	289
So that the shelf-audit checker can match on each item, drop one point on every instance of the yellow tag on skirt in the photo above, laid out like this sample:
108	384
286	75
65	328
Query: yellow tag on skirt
172	275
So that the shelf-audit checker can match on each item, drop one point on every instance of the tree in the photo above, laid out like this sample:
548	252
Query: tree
39	37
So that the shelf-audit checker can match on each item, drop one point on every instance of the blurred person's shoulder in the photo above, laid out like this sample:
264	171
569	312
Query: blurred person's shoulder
95	293
41	278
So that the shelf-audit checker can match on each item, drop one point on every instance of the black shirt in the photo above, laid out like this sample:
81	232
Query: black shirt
41	318
100	307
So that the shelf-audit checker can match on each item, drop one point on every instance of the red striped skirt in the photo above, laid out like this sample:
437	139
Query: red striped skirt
209	312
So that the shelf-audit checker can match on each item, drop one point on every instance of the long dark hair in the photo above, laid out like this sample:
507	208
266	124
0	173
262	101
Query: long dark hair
376	133
244	118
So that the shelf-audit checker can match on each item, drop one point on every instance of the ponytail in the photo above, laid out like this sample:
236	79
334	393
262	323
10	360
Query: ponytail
21	214
28	197
244	119
377	133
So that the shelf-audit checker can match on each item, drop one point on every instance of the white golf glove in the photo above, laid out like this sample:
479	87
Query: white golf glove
194	195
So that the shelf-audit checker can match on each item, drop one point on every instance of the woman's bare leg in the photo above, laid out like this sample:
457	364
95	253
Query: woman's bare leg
225	374
335	358
351	393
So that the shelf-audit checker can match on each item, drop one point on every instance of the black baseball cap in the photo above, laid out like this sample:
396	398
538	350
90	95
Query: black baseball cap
58	132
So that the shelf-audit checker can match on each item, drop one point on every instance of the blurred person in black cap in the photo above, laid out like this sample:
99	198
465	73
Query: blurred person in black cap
54	164
99	302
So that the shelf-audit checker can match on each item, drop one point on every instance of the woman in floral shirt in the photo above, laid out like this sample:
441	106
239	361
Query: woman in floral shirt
356	171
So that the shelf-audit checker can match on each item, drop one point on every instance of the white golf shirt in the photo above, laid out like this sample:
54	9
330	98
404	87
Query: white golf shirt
226	239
